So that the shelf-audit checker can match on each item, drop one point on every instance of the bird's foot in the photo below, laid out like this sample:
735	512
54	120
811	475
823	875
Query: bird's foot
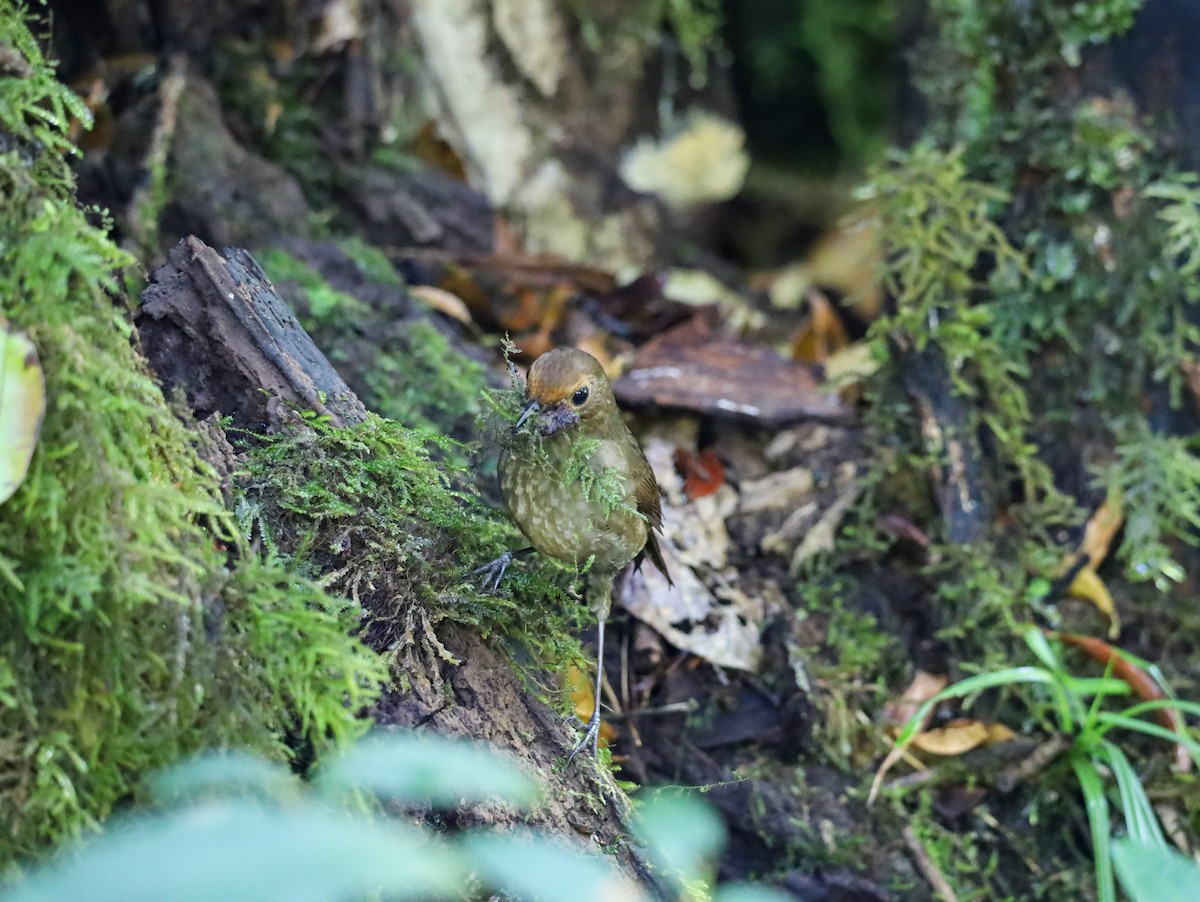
494	571
591	737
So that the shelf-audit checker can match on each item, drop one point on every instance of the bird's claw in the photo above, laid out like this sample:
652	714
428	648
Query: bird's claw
493	571
591	737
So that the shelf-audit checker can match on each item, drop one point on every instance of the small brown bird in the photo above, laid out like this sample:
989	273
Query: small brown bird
607	517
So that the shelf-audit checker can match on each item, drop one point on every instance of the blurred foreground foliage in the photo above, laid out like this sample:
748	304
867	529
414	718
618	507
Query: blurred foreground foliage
238	828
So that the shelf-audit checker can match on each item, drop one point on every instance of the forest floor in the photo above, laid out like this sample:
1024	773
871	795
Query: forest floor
806	625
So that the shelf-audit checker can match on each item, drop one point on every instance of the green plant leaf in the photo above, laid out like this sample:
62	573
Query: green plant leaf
1140	819
1042	650
1150	874
246	852
22	406
1096	804
526	865
431	769
1107	720
681	832
1159	704
748	892
1088	687
217	774
978	683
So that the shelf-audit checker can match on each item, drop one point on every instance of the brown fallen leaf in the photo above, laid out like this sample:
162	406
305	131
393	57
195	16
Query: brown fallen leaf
1086	584
583	699
821	334
443	301
1144	685
694	368
1100	529
702	473
923	686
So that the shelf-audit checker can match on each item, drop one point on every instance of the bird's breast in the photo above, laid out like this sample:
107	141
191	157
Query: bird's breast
563	514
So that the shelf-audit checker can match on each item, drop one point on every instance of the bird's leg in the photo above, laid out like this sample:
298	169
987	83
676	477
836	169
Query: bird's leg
493	571
592	736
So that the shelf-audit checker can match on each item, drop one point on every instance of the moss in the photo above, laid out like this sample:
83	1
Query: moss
324	303
403	366
1039	236
378	509
127	636
267	101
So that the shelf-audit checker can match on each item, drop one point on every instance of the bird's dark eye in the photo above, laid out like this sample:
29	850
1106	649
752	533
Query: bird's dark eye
581	395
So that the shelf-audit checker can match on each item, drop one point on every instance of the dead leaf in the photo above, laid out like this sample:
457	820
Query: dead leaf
1089	587
956	738
1100	529
692	367
922	688
1144	685
22	406
820	537
702	473
443	301
583	698
852	364
821	334
848	259
961	736
903	528
781	490
722	626
689	616
698	288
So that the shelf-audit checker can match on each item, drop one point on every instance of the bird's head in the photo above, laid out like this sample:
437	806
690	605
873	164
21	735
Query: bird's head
567	387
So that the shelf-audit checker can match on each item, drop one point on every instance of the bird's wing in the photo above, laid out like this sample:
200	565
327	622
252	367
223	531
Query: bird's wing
649	505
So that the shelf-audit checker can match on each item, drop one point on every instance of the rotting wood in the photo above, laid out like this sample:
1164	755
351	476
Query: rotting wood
213	326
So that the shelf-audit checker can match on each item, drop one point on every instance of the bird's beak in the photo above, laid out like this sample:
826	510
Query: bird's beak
531	407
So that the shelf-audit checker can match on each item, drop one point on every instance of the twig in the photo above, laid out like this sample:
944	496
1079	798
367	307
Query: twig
926	866
684	707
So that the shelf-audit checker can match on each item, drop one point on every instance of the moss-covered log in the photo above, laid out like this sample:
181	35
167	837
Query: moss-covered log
134	624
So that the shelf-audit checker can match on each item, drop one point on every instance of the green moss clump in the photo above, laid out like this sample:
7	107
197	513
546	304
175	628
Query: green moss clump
377	508
397	360
127	636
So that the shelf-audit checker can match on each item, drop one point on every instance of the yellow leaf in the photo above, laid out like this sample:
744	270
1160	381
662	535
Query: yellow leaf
22	405
443	301
956	738
1101	528
998	732
583	698
822	332
1090	587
